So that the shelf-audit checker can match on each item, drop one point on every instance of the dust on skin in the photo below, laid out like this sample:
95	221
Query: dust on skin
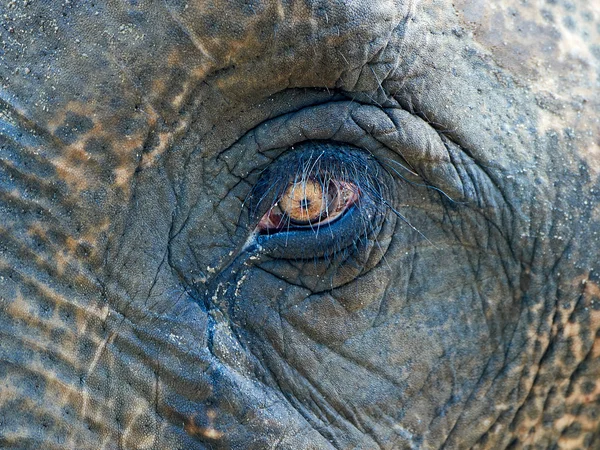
552	47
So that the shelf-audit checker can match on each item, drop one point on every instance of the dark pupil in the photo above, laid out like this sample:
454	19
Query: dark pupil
304	203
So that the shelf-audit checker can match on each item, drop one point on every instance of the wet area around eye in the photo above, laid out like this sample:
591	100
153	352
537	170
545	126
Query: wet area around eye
317	209
320	215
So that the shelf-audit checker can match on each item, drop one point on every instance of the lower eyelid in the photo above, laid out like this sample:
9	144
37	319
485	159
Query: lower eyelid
308	244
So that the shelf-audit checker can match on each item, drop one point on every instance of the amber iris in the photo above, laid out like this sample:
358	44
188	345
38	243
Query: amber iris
304	201
309	203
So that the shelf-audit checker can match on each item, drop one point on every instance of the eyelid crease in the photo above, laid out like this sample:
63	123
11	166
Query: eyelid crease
417	143
392	134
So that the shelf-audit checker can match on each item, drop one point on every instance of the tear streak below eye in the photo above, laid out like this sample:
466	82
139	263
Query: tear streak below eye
309	203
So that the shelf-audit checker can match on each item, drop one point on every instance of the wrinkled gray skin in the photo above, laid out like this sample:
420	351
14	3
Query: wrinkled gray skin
131	316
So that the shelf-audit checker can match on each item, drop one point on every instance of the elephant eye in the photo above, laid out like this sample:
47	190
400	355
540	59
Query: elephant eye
309	203
318	199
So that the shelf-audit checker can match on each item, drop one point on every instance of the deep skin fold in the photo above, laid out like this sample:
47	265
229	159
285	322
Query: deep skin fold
125	160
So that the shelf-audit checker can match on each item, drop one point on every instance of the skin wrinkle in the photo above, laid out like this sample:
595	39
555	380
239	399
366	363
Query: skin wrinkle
507	366
300	410
346	355
334	134
313	389
532	383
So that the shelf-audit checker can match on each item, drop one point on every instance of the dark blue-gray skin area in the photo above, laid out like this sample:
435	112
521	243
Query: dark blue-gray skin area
454	303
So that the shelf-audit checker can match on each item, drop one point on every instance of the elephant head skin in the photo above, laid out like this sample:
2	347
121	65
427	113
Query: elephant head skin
300	225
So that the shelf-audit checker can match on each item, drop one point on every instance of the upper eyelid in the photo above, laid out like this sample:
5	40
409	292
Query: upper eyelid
341	161
390	133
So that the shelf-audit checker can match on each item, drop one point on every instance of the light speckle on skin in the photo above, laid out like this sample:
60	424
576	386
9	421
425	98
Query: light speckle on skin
239	284
549	57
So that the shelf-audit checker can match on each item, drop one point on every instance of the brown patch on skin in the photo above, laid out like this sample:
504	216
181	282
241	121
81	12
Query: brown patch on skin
284	45
36	229
100	228
178	100
164	142
569	391
209	432
78	168
591	293
75	180
20	308
71	251
576	426
59	116
159	86
173	93
96	164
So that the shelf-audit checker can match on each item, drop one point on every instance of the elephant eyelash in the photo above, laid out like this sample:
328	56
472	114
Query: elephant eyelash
353	188
347	184
338	183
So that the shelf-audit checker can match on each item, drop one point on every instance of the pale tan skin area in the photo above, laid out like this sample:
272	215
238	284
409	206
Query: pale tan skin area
549	46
